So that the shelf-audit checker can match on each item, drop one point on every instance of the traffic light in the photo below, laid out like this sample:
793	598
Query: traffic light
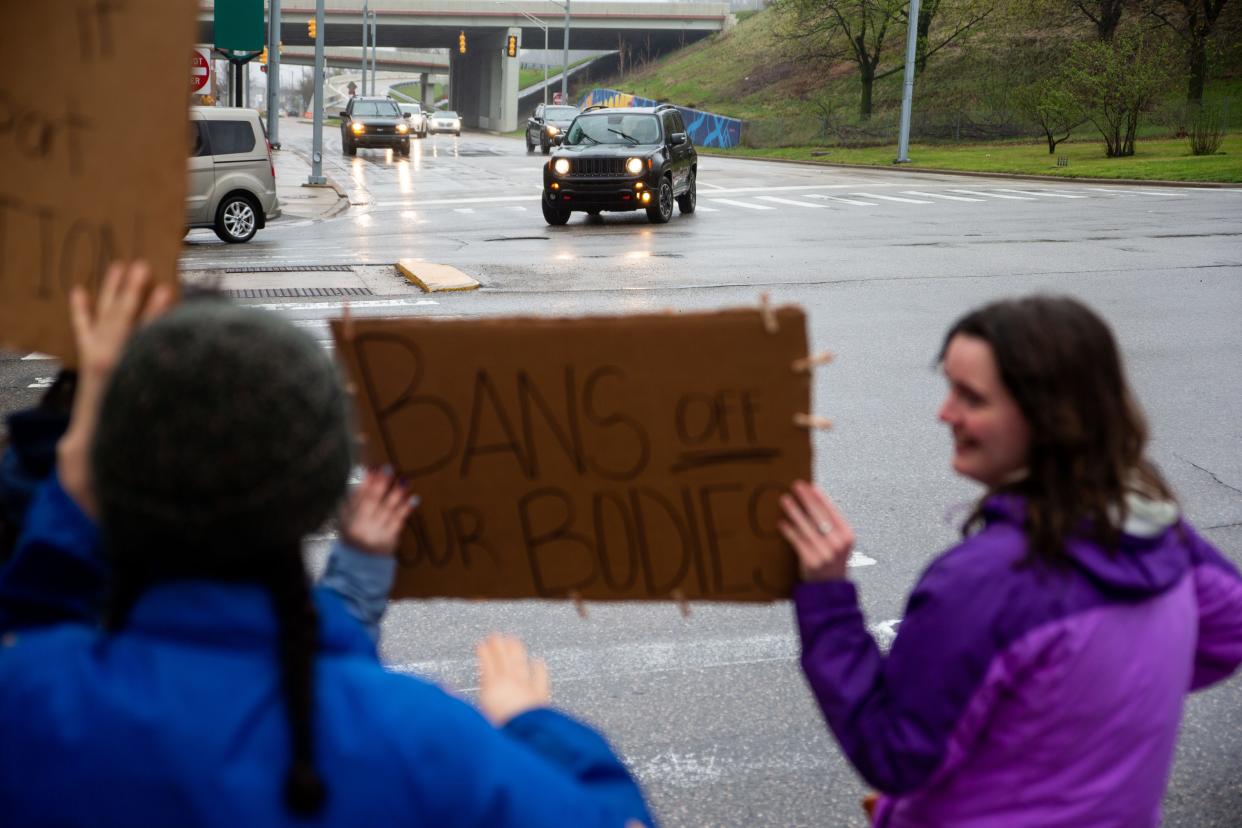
312	28
263	56
461	42
511	49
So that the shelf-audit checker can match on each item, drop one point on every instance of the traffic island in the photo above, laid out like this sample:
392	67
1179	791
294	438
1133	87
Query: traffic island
434	278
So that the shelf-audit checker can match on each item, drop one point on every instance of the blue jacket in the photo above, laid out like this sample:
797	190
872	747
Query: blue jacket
178	719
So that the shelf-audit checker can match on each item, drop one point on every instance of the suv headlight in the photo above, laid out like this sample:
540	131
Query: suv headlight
403	128
634	166
560	166
552	130
356	127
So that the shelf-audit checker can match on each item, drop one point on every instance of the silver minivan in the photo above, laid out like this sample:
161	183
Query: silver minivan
232	187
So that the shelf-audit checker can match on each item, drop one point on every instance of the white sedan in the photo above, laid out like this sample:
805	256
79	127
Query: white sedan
445	120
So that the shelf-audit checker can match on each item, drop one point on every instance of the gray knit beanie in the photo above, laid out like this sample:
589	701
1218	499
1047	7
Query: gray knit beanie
223	428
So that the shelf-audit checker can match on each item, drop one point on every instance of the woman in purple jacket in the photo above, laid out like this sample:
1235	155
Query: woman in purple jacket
1038	675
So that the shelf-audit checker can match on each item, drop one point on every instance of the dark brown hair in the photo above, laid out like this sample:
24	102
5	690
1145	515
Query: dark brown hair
1060	363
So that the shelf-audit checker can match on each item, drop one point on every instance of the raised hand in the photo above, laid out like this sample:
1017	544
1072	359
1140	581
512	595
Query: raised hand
817	531
372	517
510	682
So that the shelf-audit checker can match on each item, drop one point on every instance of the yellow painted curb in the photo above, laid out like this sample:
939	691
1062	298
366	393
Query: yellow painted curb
433	278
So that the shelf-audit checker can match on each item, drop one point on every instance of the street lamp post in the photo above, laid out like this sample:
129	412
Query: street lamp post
366	16
543	26
565	58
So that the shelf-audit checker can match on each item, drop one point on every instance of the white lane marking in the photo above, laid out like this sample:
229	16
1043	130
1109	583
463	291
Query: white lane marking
463	210
699	208
940	195
37	355
1110	192
747	205
990	194
443	201
793	203
858	559
336	306
516	208
884	632
855	202
1048	193
892	198
1144	192
42	382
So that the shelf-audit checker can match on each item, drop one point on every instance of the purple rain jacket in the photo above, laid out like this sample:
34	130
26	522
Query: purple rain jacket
1024	696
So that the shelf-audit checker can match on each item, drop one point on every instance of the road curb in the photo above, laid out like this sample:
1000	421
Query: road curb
1207	185
342	198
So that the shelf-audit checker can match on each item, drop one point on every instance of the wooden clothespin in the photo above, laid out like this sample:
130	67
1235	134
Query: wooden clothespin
769	315
812	421
347	323
579	604
801	366
682	603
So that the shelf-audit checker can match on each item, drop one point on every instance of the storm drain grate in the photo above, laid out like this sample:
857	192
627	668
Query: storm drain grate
293	269
296	293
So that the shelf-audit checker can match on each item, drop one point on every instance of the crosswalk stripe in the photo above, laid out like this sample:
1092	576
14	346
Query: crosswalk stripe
1111	192
852	201
463	209
892	198
991	194
1144	192
793	203
747	205
941	195
1041	193
699	208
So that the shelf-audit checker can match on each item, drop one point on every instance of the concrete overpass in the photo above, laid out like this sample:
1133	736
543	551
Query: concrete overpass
483	82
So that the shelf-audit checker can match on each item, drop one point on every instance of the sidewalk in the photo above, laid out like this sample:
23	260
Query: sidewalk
298	201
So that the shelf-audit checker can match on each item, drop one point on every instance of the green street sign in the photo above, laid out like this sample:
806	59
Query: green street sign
239	25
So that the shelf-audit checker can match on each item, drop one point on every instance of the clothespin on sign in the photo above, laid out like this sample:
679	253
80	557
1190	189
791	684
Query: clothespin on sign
347	323
801	366
682	603
812	421
579	604
769	315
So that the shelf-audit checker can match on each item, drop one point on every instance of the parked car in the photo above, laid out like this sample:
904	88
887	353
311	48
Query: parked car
547	123
413	113
614	160
232	186
445	120
374	122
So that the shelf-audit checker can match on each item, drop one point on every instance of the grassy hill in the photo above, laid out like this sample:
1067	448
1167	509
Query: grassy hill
966	94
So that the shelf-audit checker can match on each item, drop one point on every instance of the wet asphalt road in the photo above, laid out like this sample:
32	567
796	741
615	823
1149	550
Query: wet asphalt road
711	711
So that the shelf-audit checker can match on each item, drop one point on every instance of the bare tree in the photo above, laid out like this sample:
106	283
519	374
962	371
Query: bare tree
962	16
1048	103
1193	20
1105	14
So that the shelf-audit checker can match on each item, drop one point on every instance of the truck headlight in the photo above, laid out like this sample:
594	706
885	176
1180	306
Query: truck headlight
356	128
552	130
402	129
560	166
634	166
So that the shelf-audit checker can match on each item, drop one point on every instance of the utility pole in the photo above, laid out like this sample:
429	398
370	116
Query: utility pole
366	15
374	49
565	60
316	173
273	74
907	94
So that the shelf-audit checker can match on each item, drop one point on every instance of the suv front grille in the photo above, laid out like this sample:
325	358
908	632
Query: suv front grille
597	167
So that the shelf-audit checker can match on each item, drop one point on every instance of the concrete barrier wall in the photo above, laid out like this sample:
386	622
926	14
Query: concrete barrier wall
706	128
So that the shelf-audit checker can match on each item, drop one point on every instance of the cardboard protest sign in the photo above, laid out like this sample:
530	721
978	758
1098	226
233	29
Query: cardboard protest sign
93	99
621	458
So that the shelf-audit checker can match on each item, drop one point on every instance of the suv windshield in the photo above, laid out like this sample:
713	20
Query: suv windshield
560	113
375	109
614	128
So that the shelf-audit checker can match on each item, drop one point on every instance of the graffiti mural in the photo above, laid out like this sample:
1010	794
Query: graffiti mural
706	128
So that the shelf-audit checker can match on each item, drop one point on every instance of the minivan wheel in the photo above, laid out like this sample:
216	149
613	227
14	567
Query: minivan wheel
554	215
236	220
687	200
662	210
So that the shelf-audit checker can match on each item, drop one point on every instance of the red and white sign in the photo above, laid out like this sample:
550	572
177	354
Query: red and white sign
200	72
